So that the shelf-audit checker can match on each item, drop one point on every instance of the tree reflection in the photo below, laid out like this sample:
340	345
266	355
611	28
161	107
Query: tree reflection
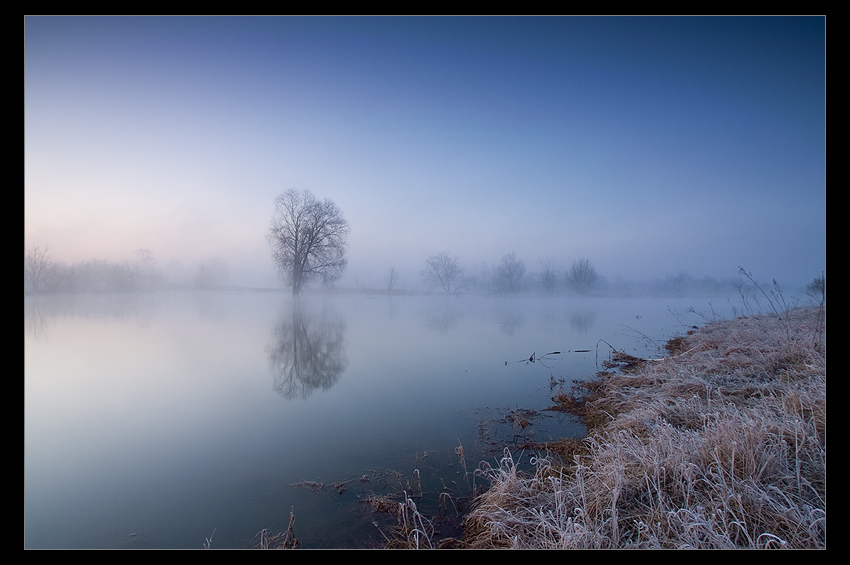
582	321
442	317
307	351
510	320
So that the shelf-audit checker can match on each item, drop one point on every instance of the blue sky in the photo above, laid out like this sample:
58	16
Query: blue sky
649	146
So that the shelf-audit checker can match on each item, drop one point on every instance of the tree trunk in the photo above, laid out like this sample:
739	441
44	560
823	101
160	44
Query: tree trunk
297	275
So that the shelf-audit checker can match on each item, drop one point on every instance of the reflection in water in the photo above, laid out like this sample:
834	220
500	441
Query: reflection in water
582	321
442	317
307	351
109	378
510	320
35	320
40	311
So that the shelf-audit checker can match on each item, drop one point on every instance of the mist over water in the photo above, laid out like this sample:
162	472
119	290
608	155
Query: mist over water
648	145
166	403
152	420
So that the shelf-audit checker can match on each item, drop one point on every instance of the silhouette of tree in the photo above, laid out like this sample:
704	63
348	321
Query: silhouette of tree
817	288
210	273
582	276
392	279
442	270
509	273
38	268
149	274
307	238
548	274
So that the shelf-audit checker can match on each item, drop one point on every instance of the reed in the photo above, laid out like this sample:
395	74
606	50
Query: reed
281	540
722	444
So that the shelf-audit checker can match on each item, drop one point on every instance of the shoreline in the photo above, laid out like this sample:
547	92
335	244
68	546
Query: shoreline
720	444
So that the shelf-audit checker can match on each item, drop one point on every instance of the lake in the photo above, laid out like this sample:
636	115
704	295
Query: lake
163	420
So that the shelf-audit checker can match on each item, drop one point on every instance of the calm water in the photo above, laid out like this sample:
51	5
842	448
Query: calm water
160	420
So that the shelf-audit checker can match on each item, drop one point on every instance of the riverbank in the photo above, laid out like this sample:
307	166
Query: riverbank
720	444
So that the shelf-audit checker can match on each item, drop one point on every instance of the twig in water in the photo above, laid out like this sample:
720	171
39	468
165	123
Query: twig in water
208	541
537	358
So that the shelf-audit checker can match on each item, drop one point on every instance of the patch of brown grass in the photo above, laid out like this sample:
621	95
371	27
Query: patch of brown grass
720	445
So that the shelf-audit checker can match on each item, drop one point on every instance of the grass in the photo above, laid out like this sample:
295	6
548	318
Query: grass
412	528
720	444
283	540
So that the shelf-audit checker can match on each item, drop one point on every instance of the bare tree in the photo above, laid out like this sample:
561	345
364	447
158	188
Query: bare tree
392	279
582	276
149	273
817	288
307	238
38	268
509	273
442	270
211	272
548	274
100	275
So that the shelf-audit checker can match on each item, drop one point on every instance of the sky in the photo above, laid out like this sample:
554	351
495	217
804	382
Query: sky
648	145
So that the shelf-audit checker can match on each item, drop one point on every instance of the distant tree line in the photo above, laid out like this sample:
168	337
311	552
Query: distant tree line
444	273
44	274
308	242
307	237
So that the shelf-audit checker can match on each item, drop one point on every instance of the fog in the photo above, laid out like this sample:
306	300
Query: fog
656	148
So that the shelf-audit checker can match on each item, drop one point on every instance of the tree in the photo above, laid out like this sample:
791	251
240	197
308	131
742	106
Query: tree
307	238
441	270
149	273
548	274
210	273
38	269
392	279
817	288
509	273
582	276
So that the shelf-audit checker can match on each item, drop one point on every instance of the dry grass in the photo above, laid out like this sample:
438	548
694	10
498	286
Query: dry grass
720	445
411	529
282	540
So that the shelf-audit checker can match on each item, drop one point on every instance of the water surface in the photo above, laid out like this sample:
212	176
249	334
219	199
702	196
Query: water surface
160	420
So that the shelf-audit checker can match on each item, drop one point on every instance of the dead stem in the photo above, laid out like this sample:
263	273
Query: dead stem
283	540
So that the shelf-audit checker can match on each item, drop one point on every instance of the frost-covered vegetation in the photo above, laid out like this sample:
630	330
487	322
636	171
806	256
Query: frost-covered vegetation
720	444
